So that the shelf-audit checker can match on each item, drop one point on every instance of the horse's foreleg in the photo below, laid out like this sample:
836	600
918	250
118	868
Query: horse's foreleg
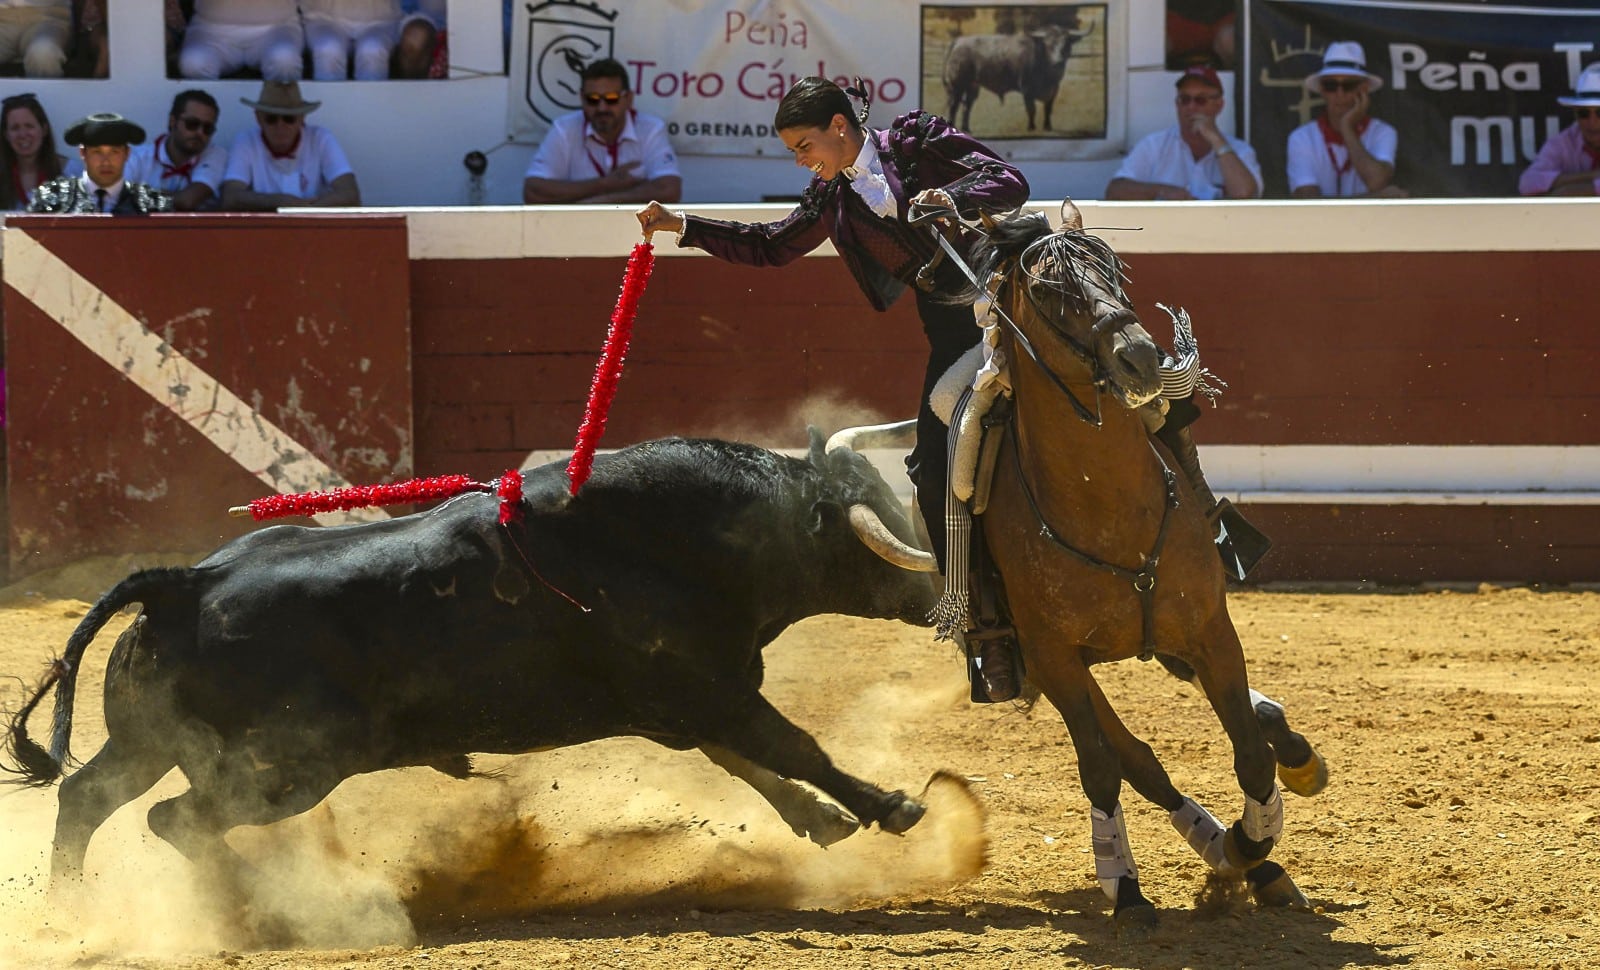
1100	771
1301	768
1260	824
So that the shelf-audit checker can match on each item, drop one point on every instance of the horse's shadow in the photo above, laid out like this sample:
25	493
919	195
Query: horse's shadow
1210	934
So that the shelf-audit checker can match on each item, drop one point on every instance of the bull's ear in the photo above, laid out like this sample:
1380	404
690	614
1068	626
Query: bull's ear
818	443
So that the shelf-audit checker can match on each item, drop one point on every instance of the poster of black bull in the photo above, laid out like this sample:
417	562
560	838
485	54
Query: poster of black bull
1017	72
1471	91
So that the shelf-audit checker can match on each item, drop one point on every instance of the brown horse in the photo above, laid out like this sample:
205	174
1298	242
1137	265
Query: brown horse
1106	554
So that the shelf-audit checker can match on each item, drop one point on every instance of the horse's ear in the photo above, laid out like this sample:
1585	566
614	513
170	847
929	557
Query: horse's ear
1071	218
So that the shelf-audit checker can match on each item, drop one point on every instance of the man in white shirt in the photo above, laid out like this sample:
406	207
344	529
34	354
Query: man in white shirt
36	32
185	163
606	152
1344	152
1193	159
286	162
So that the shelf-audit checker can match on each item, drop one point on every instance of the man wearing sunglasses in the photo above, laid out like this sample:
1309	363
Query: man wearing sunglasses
1193	159
1344	152
607	152
185	163
1569	163
103	141
286	161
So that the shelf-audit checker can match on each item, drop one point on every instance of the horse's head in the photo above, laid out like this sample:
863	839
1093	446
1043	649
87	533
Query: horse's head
1068	285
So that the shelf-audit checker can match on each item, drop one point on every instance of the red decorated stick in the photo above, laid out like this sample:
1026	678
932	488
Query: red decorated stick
508	487
609	370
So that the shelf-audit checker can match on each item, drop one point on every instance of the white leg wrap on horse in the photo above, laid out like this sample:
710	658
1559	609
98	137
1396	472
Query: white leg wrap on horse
1112	857
1263	820
1205	835
1256	698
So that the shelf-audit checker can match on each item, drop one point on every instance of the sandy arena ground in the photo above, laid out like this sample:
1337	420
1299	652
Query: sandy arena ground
1461	828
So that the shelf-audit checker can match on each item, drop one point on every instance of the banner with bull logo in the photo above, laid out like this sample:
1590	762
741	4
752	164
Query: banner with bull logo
1471	90
1045	80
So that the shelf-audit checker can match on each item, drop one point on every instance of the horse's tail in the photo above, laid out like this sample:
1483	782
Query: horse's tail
22	755
1006	240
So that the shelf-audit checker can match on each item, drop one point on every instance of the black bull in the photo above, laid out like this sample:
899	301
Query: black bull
293	658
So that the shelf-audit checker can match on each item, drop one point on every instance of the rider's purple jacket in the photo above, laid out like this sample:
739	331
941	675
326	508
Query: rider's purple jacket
918	151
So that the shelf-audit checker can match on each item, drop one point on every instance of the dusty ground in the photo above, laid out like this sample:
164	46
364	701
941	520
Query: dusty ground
1462	825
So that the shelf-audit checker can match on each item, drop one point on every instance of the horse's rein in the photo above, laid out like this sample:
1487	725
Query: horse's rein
924	213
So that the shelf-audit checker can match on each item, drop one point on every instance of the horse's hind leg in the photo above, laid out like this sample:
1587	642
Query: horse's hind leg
115	776
1301	768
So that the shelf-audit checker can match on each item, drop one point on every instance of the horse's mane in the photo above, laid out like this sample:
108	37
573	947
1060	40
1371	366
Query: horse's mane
1059	259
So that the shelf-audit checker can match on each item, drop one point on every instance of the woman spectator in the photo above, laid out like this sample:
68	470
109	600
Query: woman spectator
28	156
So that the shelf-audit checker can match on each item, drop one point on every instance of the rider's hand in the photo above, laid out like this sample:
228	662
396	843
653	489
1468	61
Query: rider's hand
934	199
656	217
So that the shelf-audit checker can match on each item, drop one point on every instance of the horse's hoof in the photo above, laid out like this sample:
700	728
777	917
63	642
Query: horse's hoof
904	815
1307	779
1135	923
1278	892
830	825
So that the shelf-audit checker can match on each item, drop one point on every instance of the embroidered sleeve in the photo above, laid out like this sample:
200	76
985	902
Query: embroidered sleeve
930	153
765	243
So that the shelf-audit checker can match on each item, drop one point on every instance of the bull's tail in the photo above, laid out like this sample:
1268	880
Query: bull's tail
22	755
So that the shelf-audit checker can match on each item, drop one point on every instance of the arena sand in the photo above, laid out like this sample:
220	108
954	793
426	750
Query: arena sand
1461	828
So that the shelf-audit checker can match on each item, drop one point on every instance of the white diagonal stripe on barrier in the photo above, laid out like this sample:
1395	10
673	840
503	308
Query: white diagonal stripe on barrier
150	363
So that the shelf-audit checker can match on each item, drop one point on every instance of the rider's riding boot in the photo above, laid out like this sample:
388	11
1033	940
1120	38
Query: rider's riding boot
997	661
1183	449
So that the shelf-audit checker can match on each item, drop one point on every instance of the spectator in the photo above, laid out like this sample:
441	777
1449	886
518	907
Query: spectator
92	32
369	28
1345	151
184	163
1193	159
228	35
103	141
36	32
28	156
286	162
1569	163
606	152
422	51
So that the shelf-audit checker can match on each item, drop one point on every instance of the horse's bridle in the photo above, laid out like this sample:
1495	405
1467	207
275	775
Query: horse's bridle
1143	579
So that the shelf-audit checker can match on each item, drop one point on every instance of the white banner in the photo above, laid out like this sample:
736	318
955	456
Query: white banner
1037	80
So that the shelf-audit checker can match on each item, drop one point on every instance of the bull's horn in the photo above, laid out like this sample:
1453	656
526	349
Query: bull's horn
870	434
886	544
1081	34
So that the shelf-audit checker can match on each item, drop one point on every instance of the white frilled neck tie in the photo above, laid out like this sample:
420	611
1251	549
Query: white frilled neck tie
866	179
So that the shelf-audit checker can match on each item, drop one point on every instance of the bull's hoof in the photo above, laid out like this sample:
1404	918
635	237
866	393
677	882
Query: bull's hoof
1307	779
903	816
829	825
1272	887
1136	923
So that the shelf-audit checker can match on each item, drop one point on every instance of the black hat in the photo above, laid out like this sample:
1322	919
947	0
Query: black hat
104	128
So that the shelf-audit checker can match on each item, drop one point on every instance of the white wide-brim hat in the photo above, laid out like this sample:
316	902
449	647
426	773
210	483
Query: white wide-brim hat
1343	58
1586	93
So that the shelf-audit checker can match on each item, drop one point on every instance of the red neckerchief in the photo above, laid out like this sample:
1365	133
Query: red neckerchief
1331	137
184	171
612	149
1594	155
292	148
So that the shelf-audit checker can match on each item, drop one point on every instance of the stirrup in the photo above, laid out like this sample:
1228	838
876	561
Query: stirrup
1240	544
978	642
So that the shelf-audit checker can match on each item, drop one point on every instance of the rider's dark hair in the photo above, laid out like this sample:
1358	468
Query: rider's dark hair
812	103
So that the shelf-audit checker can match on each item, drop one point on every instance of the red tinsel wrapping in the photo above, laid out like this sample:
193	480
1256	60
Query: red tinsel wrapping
609	370
508	487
